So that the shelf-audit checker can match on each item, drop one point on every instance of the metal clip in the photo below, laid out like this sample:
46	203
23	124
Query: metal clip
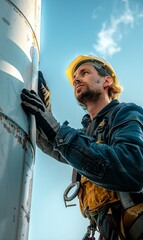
89	234
75	193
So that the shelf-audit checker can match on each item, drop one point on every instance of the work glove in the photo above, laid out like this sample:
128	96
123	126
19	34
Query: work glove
31	103
43	91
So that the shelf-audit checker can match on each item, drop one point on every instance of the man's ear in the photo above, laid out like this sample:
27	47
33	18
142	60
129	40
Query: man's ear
108	81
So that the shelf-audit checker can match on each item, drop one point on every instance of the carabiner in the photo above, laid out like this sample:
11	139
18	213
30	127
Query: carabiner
75	193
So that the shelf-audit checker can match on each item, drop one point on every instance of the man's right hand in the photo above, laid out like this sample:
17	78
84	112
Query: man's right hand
31	103
43	91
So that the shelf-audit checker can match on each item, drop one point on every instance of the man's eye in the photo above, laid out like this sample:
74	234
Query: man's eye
84	72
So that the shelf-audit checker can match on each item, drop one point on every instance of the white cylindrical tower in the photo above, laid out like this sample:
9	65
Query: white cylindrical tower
19	58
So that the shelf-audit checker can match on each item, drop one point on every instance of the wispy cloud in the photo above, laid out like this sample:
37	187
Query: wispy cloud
95	12
109	37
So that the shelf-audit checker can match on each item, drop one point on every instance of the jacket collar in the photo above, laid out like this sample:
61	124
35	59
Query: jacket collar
86	118
107	108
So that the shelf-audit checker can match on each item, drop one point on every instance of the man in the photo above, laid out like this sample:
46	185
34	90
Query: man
107	152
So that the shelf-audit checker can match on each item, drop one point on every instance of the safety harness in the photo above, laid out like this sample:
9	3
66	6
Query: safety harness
132	203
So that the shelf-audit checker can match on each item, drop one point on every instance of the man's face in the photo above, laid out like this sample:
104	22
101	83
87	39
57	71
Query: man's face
87	83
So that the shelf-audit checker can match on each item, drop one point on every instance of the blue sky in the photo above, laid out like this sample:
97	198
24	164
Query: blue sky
110	29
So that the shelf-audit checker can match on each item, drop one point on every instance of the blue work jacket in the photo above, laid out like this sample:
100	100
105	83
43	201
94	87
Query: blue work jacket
116	164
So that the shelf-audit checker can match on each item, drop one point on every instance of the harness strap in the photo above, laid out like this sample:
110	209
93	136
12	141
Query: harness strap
136	231
100	132
126	200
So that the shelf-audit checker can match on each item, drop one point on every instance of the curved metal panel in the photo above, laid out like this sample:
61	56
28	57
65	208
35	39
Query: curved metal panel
19	57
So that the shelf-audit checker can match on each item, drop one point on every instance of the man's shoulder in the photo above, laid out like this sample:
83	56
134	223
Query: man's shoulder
127	111
123	106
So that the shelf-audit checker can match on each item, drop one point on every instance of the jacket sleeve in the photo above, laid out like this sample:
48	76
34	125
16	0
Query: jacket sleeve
47	147
117	166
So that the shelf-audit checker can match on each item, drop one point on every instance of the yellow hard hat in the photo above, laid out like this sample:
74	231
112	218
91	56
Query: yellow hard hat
83	59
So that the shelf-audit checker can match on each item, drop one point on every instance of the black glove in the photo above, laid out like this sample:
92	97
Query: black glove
31	103
43	91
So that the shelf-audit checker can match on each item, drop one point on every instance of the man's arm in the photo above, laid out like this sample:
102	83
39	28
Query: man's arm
47	147
41	141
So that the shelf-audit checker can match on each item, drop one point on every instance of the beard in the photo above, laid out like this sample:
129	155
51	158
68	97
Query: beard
87	95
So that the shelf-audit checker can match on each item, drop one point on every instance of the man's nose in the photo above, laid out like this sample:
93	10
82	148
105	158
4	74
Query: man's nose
76	80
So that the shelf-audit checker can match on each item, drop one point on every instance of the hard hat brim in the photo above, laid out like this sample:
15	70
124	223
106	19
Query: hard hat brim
71	68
